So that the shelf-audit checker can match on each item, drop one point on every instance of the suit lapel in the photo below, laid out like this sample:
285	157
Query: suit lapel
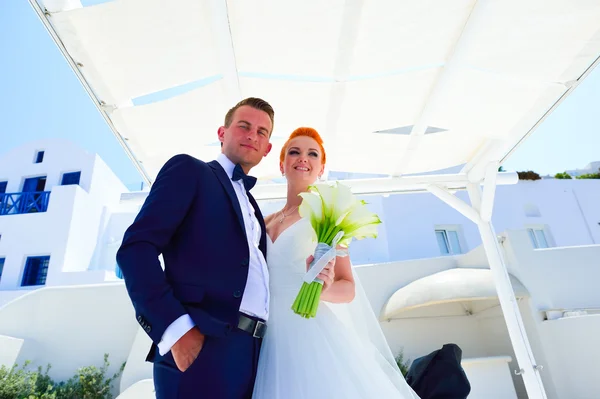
263	230
228	186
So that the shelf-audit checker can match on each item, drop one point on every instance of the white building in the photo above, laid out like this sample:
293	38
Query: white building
549	232
53	202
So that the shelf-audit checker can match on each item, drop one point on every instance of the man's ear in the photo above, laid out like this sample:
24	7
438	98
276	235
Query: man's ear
268	149
221	134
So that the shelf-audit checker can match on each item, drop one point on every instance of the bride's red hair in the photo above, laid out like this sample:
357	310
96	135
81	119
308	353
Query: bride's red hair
308	132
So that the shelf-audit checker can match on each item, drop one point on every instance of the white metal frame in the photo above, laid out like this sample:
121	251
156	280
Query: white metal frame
102	108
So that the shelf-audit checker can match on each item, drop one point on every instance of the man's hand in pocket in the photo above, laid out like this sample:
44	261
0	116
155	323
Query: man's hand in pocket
187	349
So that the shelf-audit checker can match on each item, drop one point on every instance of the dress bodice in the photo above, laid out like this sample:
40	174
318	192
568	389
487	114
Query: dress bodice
286	257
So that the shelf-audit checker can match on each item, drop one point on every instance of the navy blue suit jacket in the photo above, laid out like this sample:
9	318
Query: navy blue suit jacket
193	218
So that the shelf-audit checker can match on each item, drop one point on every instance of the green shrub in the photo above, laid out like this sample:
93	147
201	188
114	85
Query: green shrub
403	364
563	175
88	383
590	176
528	175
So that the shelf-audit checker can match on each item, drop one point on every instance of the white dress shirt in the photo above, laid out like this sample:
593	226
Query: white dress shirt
255	301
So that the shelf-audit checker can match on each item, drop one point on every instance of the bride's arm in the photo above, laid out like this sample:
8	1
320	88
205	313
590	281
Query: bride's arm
342	288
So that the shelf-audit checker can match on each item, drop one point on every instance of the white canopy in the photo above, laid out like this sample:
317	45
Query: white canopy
396	87
469	291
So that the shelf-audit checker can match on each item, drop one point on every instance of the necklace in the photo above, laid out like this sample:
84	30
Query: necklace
283	215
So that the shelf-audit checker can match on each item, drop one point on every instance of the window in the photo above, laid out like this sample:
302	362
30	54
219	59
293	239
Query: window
33	184
70	178
39	157
538	238
448	241
3	185
1	267
36	271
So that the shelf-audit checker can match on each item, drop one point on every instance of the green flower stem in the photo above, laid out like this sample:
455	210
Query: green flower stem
311	298
304	300
325	239
296	305
300	298
313	312
329	239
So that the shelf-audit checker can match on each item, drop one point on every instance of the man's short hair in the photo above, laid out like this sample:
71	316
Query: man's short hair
256	103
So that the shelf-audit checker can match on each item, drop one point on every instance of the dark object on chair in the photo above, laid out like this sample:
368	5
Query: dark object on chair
439	375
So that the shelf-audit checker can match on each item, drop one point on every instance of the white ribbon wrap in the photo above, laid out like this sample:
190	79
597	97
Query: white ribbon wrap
323	254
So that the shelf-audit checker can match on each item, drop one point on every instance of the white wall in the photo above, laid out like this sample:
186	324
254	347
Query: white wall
72	327
490	377
572	345
86	214
551	275
586	195
105	186
557	206
10	350
117	220
137	369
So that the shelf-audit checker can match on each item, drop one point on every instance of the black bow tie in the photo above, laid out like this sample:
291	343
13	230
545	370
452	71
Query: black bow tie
238	173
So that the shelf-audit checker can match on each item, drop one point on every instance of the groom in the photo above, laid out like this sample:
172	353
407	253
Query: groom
206	312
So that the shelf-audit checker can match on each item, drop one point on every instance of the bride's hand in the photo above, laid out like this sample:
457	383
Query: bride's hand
327	275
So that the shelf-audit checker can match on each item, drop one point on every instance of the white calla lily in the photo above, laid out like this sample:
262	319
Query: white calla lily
311	208
344	202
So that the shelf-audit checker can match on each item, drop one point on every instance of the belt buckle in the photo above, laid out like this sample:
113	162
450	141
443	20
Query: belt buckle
259	329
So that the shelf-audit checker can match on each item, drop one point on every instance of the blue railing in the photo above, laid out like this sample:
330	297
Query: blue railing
24	202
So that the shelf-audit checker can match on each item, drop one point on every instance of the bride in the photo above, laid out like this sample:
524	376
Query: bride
341	353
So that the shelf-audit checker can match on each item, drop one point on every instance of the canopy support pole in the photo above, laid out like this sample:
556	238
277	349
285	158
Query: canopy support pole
480	212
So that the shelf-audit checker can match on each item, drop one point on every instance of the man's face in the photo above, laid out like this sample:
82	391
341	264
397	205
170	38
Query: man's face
246	140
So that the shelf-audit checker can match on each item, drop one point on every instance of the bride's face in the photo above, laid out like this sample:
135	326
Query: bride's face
302	162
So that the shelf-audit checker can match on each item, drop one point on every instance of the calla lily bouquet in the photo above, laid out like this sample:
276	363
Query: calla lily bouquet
337	217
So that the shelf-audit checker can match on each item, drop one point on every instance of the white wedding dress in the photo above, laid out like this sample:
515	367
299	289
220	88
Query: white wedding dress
322	357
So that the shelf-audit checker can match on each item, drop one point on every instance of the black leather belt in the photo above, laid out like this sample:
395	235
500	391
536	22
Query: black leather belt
256	328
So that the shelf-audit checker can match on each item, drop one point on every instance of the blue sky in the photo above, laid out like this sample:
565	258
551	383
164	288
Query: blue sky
40	97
